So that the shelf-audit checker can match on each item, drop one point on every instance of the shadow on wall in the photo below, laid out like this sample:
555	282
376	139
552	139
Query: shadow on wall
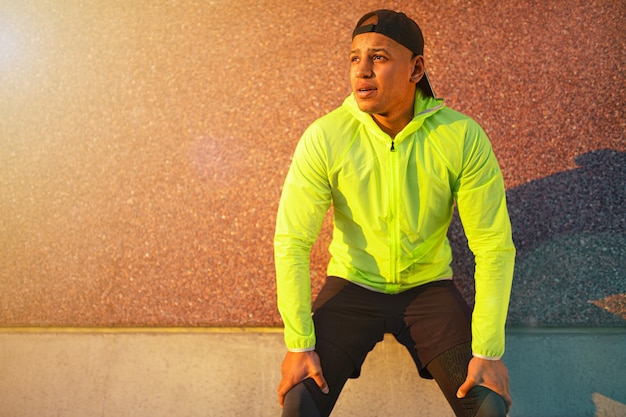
570	233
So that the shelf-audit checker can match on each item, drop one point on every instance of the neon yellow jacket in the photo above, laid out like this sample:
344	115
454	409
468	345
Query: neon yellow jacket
392	204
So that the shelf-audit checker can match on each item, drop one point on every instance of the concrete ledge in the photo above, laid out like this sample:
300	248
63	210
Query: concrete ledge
234	372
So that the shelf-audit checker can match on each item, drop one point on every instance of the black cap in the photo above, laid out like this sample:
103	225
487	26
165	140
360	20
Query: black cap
400	28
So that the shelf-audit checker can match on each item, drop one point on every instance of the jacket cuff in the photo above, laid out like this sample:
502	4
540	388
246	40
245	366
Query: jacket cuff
489	358
310	349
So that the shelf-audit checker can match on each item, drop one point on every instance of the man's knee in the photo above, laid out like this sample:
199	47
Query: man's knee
299	403
450	371
489	404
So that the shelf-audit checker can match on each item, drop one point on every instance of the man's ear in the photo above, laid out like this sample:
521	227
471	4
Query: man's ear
419	68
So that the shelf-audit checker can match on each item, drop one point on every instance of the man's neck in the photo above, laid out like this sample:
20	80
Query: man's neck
393	125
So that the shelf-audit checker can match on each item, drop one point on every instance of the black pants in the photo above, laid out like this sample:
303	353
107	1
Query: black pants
432	321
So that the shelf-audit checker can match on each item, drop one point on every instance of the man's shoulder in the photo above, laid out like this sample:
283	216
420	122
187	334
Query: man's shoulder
453	123
335	118
335	125
450	115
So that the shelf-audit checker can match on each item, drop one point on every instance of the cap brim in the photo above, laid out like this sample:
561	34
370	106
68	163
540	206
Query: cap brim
424	85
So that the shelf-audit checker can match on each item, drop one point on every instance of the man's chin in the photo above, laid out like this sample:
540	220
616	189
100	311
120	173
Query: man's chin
366	107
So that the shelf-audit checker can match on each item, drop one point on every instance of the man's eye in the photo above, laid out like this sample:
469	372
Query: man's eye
354	59
378	58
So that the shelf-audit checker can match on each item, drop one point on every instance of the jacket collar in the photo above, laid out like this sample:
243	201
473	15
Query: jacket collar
424	107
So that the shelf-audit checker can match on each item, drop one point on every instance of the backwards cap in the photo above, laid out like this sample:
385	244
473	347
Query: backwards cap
401	29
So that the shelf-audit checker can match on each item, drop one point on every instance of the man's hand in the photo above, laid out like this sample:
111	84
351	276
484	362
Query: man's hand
490	374
298	366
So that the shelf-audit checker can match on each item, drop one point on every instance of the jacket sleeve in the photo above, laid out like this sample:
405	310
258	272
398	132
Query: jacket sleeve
303	205
481	201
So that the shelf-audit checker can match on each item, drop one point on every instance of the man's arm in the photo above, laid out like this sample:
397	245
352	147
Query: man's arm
304	202
481	202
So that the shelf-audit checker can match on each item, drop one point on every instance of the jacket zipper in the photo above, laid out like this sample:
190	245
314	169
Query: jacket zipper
393	214
394	231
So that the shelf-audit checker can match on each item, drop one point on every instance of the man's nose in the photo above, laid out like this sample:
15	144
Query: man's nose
364	69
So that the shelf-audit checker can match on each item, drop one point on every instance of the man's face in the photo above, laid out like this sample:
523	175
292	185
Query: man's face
382	74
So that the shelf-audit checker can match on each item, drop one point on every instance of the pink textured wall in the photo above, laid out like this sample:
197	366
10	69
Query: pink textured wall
143	144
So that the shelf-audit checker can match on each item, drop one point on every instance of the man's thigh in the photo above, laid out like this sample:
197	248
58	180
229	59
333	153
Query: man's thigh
346	329
436	318
347	319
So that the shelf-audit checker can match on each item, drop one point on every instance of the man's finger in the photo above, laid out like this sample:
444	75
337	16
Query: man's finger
508	401
465	387
283	388
321	382
281	394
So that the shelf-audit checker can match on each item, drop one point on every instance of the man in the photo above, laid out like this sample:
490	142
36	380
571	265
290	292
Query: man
393	161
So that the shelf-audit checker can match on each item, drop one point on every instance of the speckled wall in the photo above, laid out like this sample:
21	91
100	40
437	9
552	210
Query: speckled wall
143	145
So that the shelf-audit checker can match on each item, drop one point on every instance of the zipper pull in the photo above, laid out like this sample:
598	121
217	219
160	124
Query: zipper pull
393	148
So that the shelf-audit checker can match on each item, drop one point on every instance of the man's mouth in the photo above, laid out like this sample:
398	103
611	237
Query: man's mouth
365	92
